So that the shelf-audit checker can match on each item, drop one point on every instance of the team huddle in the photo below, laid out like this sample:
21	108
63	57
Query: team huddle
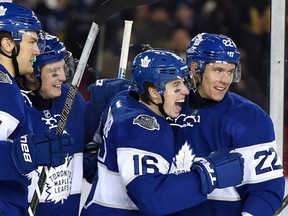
172	141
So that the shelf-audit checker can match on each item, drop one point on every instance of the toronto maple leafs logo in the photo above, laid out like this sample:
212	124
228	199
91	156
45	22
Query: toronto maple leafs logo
145	62
58	182
2	10
147	122
198	39
183	161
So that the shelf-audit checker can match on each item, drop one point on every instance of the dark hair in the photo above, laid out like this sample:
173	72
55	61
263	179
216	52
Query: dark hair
5	34
145	96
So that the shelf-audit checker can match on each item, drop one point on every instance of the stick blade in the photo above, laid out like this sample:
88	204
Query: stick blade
106	8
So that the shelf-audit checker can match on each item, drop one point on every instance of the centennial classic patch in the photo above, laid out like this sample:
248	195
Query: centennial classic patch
147	122
4	78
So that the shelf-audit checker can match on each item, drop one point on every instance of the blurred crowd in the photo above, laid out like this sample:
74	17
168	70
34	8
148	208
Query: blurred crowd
168	24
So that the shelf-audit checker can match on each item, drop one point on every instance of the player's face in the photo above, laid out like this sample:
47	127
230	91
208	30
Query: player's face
174	96
52	76
28	52
216	81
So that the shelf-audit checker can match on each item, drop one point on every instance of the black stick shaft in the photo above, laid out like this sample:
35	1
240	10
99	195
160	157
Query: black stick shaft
284	204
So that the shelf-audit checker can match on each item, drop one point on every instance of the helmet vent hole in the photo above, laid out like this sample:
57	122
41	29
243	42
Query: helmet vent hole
171	71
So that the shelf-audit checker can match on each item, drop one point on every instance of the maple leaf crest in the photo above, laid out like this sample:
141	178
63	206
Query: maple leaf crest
183	161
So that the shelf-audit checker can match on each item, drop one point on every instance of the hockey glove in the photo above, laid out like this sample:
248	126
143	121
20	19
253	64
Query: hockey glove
90	161
105	89
44	149
220	169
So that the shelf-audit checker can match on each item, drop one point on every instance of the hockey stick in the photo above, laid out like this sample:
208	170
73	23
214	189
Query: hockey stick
125	49
99	60
284	204
104	10
111	7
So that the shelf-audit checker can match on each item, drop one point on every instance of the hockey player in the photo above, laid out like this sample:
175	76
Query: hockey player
46	94
138	171
19	29
216	118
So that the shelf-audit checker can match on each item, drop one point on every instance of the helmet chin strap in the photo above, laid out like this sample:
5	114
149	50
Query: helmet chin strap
160	106
15	53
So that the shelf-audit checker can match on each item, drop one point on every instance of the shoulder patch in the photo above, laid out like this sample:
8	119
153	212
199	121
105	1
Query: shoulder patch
147	122
4	78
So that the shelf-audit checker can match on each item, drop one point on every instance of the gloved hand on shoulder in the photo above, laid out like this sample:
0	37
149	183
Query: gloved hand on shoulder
42	149
104	89
220	169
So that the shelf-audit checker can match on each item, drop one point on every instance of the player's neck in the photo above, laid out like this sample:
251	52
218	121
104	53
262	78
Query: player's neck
7	63
153	107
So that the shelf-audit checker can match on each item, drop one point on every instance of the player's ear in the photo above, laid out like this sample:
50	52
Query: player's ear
7	45
196	76
31	81
155	96
193	68
30	77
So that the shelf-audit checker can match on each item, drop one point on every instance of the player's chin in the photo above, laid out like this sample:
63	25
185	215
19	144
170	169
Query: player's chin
29	69
56	93
219	96
175	114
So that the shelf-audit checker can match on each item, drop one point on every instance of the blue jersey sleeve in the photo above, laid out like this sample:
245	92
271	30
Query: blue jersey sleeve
263	184
165	194
263	198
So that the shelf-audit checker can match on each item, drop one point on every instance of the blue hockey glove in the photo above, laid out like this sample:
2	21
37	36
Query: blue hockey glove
220	169
90	161
44	149
104	89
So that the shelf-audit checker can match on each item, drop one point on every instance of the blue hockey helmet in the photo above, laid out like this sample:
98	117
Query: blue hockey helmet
158	66
54	51
17	19
205	48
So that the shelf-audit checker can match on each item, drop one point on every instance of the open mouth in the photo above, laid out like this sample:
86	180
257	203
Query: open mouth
57	86
180	102
220	88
